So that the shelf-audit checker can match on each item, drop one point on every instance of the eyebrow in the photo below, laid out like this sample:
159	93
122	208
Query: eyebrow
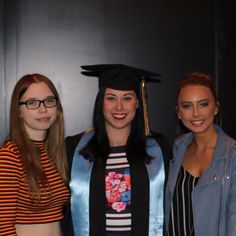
33	98
202	100
125	94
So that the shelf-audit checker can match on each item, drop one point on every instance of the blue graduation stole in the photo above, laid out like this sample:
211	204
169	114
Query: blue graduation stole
80	188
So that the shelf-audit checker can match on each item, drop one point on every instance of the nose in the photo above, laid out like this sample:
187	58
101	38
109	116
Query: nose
119	105
42	108
195	111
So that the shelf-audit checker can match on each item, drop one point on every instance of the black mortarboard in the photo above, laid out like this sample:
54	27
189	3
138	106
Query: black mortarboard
119	76
123	77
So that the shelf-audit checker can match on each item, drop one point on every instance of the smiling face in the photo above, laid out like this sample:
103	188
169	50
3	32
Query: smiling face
119	109
197	108
38	121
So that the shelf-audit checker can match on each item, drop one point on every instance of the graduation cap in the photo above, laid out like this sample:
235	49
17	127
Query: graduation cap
124	77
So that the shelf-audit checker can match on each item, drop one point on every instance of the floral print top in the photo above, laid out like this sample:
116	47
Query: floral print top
118	191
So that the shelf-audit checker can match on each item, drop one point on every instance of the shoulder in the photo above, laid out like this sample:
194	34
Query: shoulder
230	152
232	146
159	137
9	146
182	139
71	144
163	143
73	140
9	153
225	142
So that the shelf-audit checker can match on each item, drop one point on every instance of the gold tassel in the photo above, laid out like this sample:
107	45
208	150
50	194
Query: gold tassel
145	108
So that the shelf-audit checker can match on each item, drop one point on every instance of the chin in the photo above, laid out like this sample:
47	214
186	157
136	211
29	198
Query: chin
44	127
200	130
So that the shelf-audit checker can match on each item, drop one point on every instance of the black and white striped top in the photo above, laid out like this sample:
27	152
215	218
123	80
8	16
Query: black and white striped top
181	215
118	192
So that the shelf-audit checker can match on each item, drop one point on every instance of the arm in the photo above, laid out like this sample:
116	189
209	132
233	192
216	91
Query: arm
9	175
166	149
66	223
71	143
231	202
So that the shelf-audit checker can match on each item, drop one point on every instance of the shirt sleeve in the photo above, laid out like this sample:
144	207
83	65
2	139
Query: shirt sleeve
9	185
231	203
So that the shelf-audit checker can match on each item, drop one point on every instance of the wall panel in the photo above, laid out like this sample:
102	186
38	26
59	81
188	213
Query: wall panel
55	37
2	73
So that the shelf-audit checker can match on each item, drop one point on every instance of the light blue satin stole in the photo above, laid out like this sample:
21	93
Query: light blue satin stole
80	184
156	173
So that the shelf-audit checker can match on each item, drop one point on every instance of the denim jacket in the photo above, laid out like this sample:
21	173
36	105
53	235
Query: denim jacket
214	197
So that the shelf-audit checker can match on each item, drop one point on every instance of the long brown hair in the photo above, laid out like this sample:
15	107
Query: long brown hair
55	136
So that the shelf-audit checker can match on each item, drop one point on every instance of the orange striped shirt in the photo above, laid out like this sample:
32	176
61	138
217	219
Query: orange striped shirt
16	207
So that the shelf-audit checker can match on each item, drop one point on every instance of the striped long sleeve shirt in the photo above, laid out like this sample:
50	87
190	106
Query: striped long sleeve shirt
16	206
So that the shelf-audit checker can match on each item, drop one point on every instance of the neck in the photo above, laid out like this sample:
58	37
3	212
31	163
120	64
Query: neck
205	140
38	136
118	137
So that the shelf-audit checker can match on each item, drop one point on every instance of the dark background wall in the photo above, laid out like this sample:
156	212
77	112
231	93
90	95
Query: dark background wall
226	63
174	38
2	77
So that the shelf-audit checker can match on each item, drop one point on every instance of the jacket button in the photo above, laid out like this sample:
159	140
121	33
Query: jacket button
215	177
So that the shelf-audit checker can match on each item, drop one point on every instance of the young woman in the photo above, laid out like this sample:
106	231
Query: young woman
117	174
33	169
201	187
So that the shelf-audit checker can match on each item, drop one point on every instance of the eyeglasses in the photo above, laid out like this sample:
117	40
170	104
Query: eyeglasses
35	104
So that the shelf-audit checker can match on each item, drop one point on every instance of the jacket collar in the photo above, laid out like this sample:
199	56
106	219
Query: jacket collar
213	172
222	144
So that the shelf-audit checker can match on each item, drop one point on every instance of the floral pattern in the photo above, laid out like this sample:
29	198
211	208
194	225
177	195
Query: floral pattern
118	190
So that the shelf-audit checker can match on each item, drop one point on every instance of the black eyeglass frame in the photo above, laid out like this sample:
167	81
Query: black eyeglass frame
39	103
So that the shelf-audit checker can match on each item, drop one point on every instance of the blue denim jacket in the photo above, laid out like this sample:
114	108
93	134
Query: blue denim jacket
214	197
